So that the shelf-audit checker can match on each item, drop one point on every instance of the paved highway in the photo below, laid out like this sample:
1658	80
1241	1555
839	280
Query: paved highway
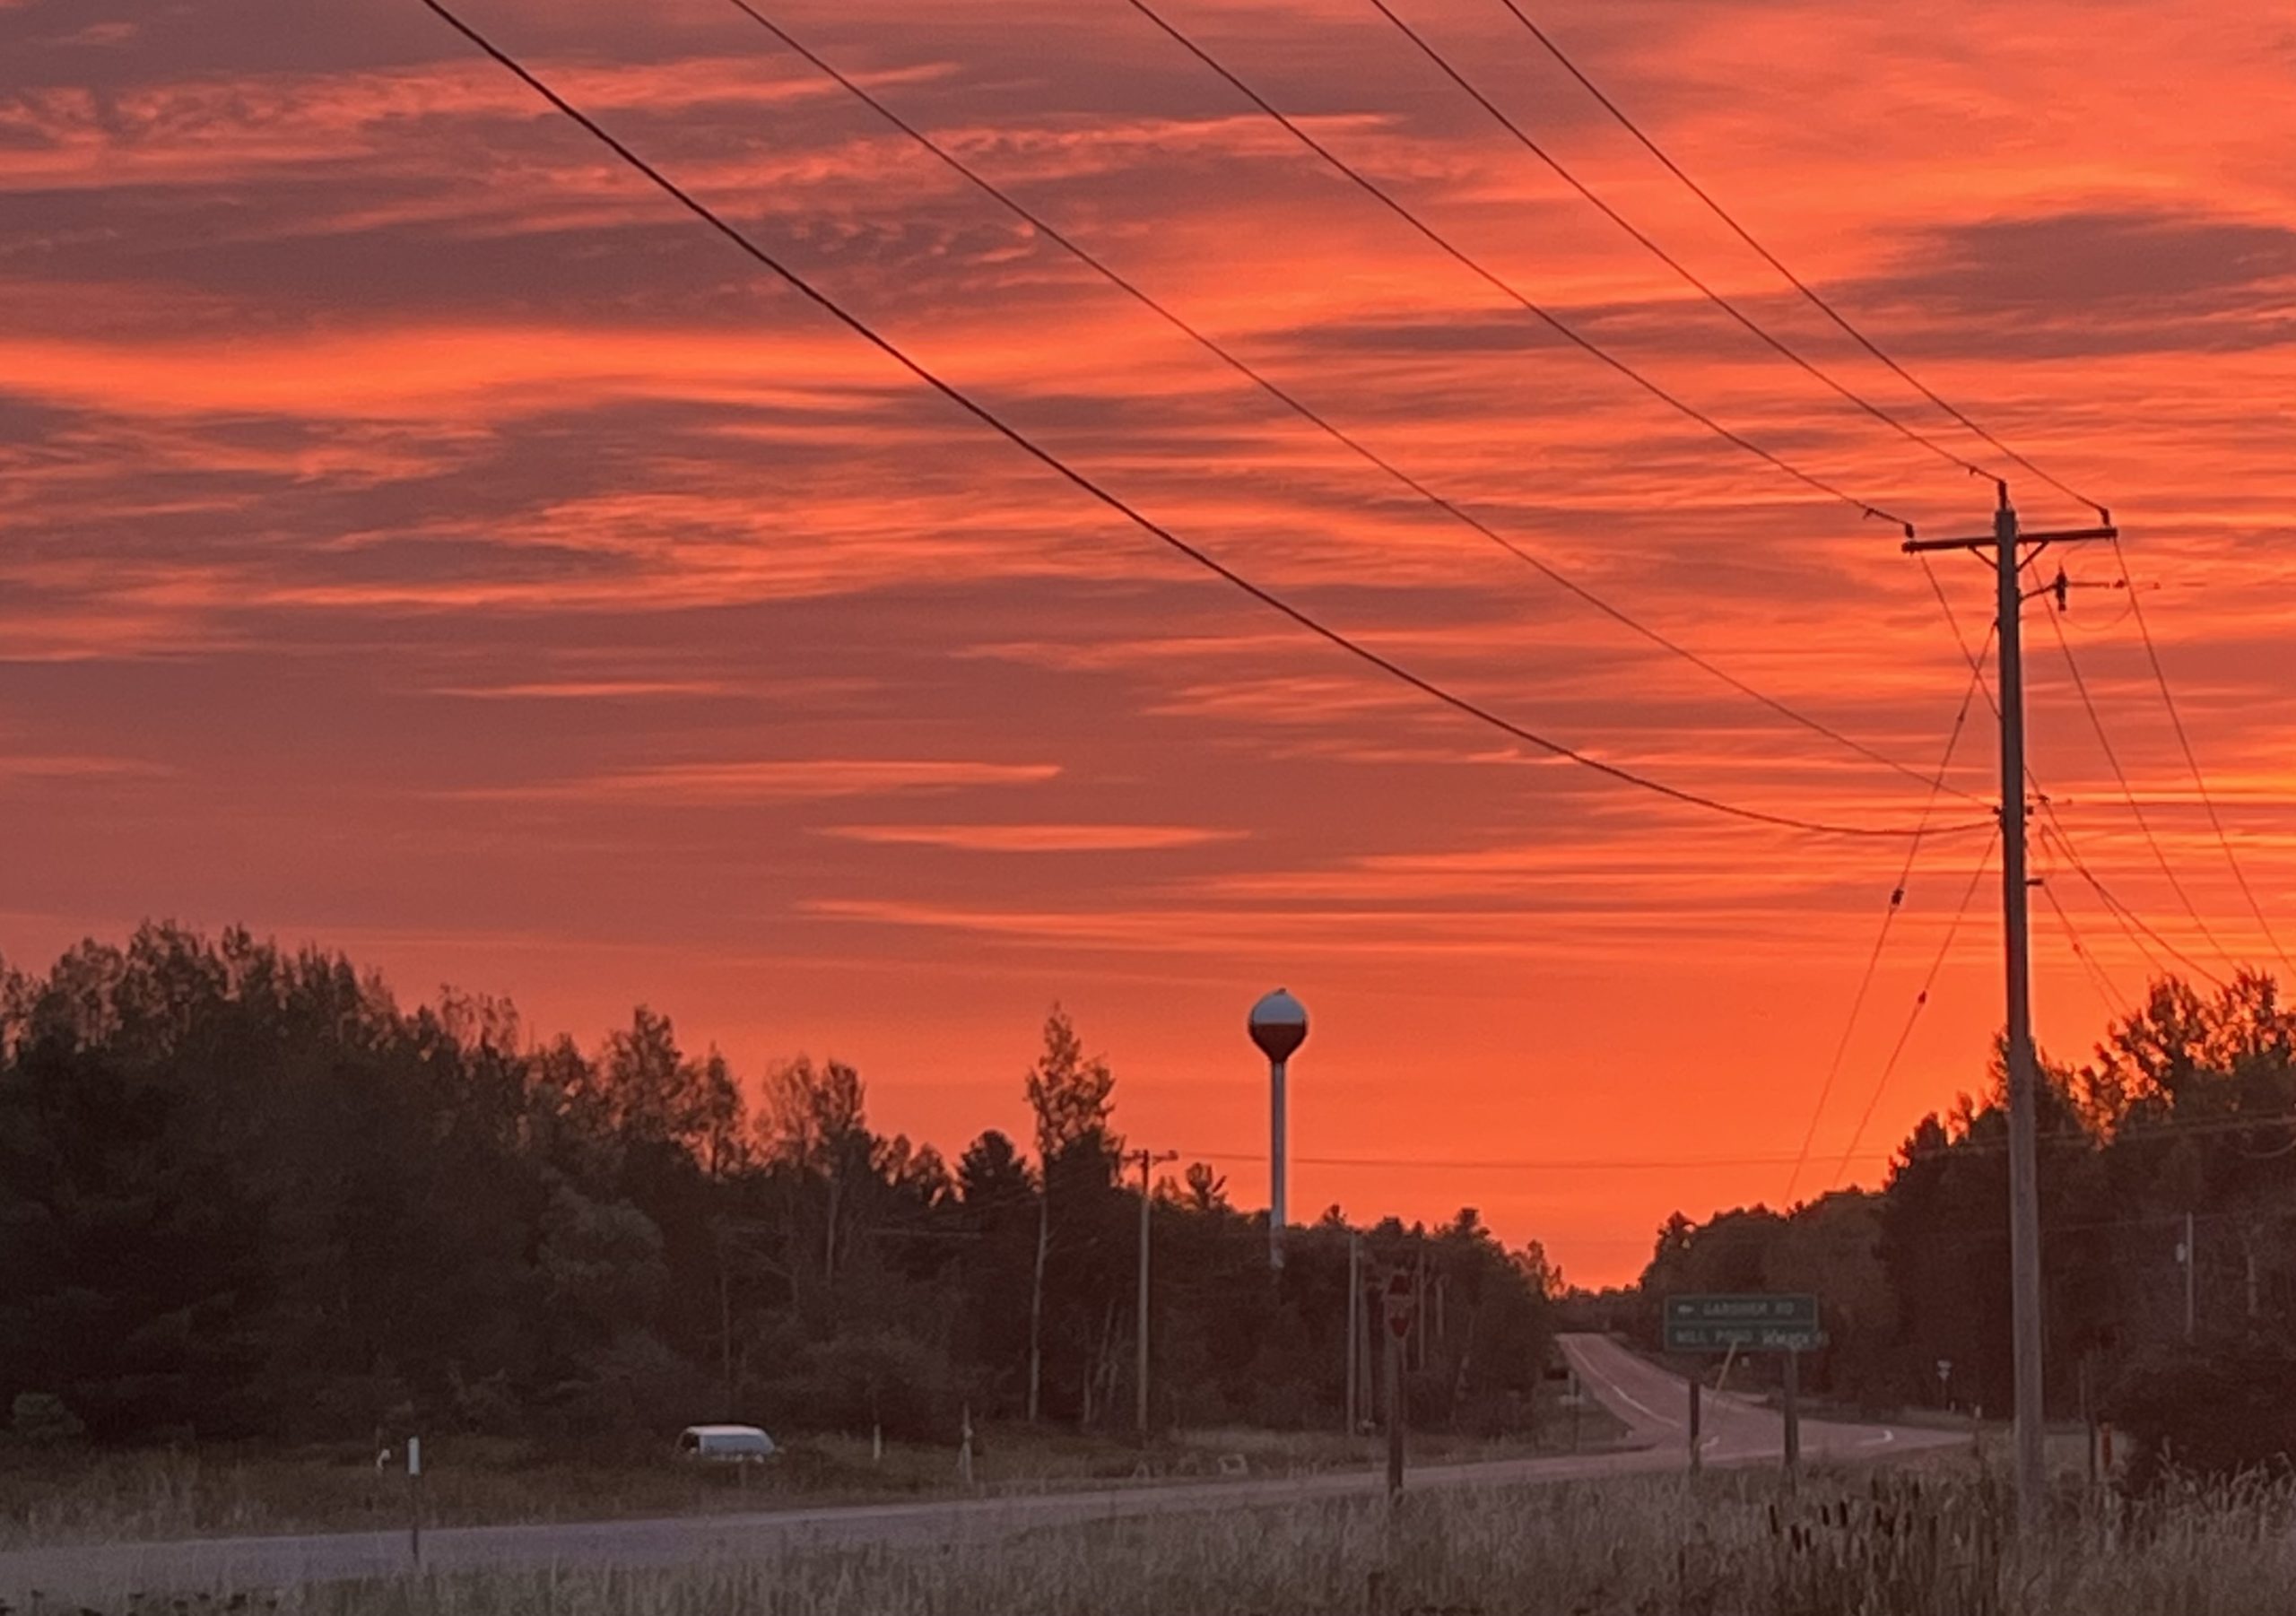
1653	1404
1734	1430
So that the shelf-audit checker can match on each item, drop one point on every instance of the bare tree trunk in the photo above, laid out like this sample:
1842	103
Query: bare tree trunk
1036	1303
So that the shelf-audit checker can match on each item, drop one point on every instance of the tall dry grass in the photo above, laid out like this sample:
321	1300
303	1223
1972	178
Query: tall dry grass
51	1497
1868	1545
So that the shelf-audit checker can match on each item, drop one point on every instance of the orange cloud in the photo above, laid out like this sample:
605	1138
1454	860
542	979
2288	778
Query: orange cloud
419	534
1036	839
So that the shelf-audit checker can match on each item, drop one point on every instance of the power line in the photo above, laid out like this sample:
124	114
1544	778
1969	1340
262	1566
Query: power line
2056	829
1054	463
1490	1165
2128	794
2107	994
1881	940
2183	741
2162	1131
1761	333
1793	280
1913	1014
1507	288
2052	838
2131	924
1298	407
2122	1134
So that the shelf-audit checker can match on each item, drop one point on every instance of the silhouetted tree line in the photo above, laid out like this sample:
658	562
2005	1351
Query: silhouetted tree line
2187	1108
245	1194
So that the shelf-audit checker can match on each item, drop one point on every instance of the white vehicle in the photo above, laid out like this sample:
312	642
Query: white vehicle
725	1444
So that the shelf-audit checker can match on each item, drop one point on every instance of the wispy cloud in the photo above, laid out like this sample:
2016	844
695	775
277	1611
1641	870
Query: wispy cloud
1036	839
795	780
419	493
583	690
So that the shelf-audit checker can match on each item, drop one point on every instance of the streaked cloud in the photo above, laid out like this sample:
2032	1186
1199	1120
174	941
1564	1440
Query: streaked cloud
583	690
1036	839
417	531
777	781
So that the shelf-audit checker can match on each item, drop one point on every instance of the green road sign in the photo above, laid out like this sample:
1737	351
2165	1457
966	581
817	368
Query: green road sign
1749	1322
1745	1338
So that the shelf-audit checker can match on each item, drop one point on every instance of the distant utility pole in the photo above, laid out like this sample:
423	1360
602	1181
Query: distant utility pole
2011	551
1036	1293
1355	1327
2189	1255
1148	1161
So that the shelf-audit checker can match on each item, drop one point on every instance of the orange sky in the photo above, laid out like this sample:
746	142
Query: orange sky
421	540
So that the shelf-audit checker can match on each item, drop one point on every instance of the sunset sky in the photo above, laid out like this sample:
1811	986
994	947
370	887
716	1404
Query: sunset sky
421	539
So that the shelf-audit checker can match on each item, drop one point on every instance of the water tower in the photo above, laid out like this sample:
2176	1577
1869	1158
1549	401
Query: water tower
1278	1026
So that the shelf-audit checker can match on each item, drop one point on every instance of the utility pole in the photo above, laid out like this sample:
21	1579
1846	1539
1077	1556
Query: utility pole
1147	1161
1355	1327
1036	1294
1695	1421
2011	550
1793	1418
2190	1254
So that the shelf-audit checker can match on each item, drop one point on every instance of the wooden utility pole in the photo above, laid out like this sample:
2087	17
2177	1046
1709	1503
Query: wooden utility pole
1793	1417
1140	1391
2192	1266
1694	1414
2011	549
1355	1327
1395	1414
1401	1318
1036	1296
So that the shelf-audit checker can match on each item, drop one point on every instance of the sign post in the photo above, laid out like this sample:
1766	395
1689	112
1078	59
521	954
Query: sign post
1793	1416
1399	1299
1730	1325
1695	1386
415	1498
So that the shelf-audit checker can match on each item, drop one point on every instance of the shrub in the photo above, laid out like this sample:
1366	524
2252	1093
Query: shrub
41	1418
2215	1412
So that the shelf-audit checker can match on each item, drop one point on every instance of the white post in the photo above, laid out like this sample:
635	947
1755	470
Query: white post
415	1498
1275	1213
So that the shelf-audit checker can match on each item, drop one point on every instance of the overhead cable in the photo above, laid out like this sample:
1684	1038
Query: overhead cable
1881	942
2128	792
1304	411
1054	463
2183	741
1507	288
1809	292
1523	137
1913	1014
2052	823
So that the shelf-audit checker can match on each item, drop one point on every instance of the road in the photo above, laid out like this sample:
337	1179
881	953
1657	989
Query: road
1652	1404
1734	1430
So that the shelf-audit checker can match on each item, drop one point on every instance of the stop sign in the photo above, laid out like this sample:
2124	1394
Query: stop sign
1399	1304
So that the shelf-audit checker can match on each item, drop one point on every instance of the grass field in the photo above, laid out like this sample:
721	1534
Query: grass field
1870	1544
51	1497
